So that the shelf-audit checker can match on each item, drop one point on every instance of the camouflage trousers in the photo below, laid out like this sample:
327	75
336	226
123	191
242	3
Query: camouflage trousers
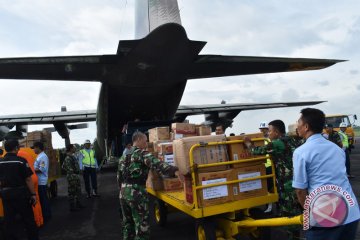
74	187
134	202
288	202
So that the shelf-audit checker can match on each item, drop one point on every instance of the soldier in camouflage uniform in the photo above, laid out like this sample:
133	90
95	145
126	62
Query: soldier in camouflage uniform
132	174
71	166
333	136
281	149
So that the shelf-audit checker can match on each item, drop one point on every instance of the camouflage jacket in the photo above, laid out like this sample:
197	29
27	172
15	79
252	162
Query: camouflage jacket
281	151
134	167
71	165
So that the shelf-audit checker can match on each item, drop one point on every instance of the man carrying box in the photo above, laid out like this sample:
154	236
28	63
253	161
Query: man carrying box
281	149
132	174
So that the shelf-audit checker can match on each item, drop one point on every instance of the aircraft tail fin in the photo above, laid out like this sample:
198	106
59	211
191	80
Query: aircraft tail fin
149	14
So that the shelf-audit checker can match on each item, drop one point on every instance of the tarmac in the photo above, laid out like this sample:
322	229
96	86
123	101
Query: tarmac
101	219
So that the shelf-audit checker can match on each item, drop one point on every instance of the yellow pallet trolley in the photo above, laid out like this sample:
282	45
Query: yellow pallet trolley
226	220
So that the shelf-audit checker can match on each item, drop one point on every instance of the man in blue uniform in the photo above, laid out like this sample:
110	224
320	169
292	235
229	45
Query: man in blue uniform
321	184
41	166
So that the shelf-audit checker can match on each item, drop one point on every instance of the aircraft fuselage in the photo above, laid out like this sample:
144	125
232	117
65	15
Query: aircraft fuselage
149	83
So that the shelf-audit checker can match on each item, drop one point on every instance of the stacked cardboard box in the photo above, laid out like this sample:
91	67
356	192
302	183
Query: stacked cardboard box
185	135
172	184
159	133
203	130
209	196
44	137
243	170
165	152
182	130
239	151
233	192
248	189
202	155
37	136
161	147
154	181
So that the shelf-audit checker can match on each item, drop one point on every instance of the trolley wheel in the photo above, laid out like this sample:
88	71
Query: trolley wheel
160	212
205	229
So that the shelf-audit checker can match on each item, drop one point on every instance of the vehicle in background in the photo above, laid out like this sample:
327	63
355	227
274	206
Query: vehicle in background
336	119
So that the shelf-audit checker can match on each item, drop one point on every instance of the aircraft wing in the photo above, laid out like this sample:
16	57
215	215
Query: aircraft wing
207	66
49	118
225	113
79	68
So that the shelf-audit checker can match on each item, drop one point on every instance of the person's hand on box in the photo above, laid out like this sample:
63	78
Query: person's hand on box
247	142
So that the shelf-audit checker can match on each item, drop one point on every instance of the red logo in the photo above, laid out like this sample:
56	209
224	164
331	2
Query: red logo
329	209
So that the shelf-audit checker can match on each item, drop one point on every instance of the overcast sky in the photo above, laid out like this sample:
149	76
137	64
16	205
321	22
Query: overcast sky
314	29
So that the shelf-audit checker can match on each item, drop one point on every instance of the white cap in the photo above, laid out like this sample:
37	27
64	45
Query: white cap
264	125
343	125
87	142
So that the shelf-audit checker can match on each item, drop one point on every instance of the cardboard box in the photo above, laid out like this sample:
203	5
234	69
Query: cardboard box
172	184
150	147
155	147
159	133
153	174
202	155
168	158
213	195
165	148
183	128
248	189
180	136
239	151
35	135
155	184
38	136
203	130
154	181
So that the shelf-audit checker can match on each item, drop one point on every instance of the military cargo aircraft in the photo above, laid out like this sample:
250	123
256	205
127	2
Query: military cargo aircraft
145	79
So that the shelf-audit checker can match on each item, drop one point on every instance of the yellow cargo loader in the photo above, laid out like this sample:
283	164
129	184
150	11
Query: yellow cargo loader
224	220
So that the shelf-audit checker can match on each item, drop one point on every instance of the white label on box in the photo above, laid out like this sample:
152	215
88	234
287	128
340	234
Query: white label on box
250	185
169	159
235	156
178	135
215	192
